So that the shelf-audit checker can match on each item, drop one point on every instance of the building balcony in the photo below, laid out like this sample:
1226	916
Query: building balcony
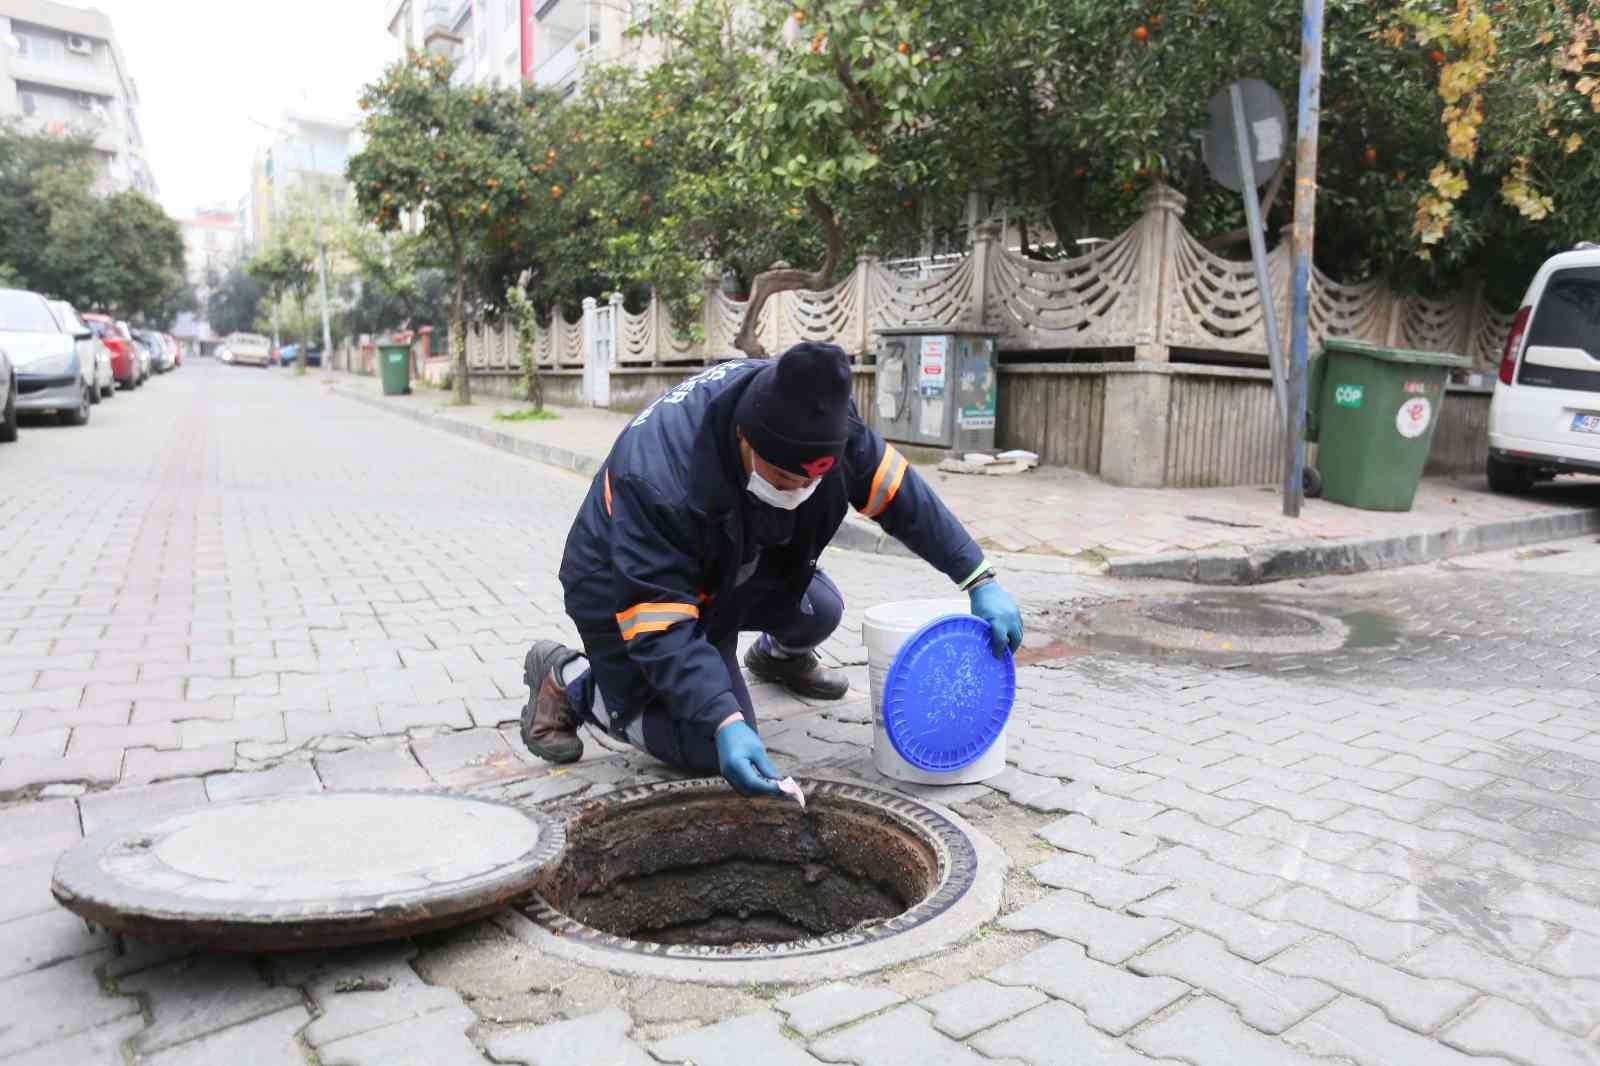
562	68
77	78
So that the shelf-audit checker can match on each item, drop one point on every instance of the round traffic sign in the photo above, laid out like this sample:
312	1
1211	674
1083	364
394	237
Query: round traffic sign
1266	126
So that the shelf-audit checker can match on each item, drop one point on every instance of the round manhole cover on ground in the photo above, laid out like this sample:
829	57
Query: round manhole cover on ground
308	870
686	878
1234	616
1218	623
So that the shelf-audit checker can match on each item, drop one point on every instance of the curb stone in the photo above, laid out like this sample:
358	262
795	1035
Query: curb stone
565	458
1237	565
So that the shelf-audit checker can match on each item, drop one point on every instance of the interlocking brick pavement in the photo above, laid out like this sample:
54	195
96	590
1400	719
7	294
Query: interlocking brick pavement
1384	853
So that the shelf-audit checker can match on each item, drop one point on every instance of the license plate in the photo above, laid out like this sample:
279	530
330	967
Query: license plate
1586	423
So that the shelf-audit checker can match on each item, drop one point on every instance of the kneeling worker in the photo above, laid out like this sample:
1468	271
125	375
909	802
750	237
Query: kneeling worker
708	520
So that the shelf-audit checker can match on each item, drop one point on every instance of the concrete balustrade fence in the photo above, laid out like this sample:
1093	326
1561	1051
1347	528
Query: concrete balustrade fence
1154	294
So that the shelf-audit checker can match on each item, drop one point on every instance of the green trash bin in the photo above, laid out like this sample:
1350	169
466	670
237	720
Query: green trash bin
1372	412
394	363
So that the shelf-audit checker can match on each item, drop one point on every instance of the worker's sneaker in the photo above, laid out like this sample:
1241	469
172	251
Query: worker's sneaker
803	674
549	723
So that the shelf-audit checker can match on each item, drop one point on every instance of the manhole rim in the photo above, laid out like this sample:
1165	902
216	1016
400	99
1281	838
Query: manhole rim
78	884
951	911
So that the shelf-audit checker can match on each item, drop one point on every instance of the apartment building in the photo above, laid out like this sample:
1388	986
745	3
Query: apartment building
212	241
61	72
546	42
305	160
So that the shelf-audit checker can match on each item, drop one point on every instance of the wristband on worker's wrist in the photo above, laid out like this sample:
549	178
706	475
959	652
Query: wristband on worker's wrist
982	575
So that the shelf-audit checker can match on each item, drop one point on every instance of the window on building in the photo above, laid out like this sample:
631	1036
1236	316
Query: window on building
30	104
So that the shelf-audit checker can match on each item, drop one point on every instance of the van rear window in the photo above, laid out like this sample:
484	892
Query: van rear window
1568	315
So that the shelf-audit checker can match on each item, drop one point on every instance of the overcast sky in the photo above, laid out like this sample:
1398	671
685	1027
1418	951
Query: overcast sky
206	67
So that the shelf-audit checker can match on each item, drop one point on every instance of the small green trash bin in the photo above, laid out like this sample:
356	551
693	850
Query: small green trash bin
1372	412
394	364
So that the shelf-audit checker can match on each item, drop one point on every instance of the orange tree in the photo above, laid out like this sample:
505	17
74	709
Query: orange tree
1513	118
768	130
455	157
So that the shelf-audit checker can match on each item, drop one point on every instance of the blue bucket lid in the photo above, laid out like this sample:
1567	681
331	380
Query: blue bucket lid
946	697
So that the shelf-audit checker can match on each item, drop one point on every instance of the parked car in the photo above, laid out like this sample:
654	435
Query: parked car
1544	418
289	353
50	377
8	406
141	350
146	357
177	349
249	349
124	361
160	358
91	353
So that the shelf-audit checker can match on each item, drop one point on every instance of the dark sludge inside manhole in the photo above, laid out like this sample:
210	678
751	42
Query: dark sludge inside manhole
718	870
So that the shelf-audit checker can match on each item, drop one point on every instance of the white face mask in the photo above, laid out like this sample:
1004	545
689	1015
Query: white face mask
770	494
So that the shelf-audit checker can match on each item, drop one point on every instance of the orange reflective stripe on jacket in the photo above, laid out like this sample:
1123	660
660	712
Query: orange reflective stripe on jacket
608	491
886	482
654	617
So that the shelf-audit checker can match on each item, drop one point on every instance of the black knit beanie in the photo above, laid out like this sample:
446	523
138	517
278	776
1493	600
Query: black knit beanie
795	412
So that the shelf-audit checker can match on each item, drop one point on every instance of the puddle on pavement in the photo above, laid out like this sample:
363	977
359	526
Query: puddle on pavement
1370	629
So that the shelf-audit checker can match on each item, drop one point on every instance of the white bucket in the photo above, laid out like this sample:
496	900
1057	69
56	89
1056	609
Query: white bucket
884	629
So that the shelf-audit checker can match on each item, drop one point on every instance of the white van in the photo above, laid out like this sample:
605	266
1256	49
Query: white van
248	349
1544	419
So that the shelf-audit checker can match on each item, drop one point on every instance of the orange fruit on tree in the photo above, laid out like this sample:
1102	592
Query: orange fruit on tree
649	144
1436	55
1141	34
555	191
1370	155
799	16
904	48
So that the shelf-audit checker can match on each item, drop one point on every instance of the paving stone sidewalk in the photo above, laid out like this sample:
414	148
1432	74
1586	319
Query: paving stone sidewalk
1061	513
1384	855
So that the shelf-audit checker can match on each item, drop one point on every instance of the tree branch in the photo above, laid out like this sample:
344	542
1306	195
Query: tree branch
1224	240
786	279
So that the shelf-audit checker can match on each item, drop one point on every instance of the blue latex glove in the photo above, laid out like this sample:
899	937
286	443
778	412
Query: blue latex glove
994	605
742	760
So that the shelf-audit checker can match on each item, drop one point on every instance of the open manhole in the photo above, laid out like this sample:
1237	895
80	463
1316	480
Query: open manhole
688	879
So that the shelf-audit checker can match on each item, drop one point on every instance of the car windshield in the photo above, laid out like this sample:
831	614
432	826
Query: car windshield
25	312
69	318
1569	312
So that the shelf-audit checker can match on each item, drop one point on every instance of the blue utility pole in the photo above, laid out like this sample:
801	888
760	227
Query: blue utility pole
1305	216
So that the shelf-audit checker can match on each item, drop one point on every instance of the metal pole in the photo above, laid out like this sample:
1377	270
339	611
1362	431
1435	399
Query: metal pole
322	265
1258	250
1305	214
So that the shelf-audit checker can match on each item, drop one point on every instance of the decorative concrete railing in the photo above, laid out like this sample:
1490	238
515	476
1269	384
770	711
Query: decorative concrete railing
1154	289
